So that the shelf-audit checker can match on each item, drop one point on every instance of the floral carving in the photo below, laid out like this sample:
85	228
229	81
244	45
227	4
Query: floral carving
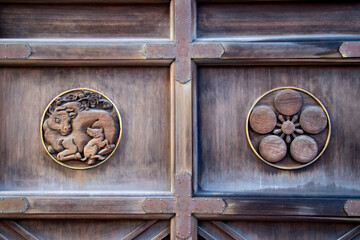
81	128
287	128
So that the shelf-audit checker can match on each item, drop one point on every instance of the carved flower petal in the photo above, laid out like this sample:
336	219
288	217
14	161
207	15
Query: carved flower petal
263	119
313	120
272	148
288	102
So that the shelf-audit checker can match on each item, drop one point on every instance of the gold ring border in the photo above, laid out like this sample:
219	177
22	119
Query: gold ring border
42	121
274	165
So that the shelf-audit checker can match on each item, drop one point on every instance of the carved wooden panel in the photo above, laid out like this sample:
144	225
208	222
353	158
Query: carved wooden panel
288	128
142	160
226	163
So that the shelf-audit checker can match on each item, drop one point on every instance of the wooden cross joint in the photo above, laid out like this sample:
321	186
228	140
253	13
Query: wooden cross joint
183	53
183	205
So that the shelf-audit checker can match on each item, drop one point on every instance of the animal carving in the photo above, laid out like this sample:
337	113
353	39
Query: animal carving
96	147
69	129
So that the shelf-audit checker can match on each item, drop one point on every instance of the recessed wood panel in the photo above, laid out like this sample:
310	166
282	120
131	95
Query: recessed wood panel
84	229
258	230
269	21
82	21
226	163
140	163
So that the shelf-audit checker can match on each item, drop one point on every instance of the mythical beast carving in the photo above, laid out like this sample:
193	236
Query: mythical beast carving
82	126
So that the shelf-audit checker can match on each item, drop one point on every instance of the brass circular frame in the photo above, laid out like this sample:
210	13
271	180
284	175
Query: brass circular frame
274	165
88	167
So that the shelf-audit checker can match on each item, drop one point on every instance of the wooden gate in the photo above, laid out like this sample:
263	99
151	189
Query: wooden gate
211	146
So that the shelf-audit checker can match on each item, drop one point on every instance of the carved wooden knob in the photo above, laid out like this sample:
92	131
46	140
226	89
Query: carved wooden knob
313	119
263	119
303	149
273	148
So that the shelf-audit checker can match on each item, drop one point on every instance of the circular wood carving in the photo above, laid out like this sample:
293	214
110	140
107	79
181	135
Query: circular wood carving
313	120
303	149
263	119
273	148
288	128
81	128
288	102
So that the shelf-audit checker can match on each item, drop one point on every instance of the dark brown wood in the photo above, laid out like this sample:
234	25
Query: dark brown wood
183	205
20	230
300	20
226	163
288	207
232	53
141	144
139	230
351	234
83	229
228	230
280	230
84	21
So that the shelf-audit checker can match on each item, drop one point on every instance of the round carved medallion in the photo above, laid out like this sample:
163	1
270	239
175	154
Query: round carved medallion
81	128
288	128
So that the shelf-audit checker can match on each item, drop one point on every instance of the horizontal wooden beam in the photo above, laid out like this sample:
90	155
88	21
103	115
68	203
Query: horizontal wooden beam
275	218
268	50
286	207
97	207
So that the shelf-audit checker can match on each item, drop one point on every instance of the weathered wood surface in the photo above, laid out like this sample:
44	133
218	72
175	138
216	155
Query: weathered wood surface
275	230
84	21
84	229
142	160
169	127
256	21
226	164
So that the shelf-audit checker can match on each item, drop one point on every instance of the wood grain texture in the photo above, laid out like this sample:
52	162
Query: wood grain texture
282	230
79	21
265	21
226	162
80	229
142	160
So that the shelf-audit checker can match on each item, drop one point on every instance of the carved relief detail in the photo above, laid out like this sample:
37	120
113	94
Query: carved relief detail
81	128
288	128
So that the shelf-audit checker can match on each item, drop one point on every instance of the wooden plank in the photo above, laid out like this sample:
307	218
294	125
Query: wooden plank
2	237
297	20
163	234
278	206
137	231
228	230
20	230
203	233
276	218
85	51
351	234
85	21
238	50
95	206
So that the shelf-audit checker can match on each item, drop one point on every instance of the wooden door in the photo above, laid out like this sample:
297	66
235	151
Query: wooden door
187	78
